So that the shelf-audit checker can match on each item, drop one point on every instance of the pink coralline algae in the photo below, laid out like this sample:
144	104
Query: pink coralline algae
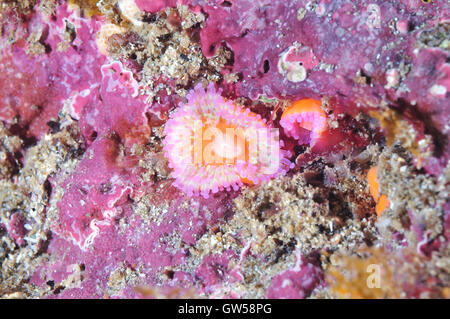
297	282
156	200
123	109
213	144
156	5
214	269
17	228
140	244
34	87
103	181
95	193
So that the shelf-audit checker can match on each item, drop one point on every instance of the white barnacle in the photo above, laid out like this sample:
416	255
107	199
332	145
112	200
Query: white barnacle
131	11
373	20
294	71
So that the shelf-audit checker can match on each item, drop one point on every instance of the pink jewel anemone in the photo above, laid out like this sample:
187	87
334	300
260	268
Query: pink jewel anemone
304	120
213	144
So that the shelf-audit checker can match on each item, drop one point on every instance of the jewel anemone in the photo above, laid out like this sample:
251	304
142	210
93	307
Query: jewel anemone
304	120
212	144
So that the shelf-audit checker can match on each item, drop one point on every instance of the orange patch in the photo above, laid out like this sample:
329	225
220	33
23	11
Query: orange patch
382	204
374	188
373	183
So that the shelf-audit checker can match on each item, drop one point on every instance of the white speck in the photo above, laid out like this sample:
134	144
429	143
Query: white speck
368	67
438	90
286	283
